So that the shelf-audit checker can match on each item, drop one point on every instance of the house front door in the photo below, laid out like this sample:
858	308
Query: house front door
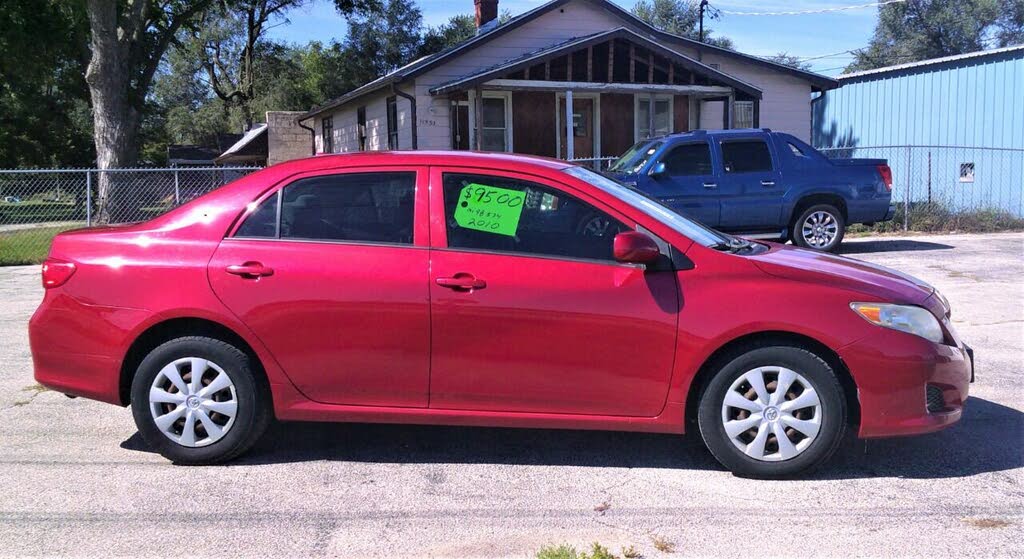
583	126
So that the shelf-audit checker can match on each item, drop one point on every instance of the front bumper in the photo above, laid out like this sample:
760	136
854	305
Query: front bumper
893	371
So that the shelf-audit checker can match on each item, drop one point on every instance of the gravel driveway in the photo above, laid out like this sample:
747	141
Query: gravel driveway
77	479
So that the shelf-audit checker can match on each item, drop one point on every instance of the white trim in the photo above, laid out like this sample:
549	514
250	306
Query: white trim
559	130
488	94
976	54
598	87
636	111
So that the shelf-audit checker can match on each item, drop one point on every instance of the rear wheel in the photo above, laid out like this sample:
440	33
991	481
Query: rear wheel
196	400
819	227
773	412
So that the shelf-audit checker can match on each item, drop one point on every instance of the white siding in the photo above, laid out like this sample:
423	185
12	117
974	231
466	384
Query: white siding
346	130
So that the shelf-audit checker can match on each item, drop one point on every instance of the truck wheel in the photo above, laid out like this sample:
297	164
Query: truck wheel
819	227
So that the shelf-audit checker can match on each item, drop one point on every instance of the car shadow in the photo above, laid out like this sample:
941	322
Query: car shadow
980	443
889	245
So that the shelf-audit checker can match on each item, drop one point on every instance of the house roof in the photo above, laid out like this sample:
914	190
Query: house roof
247	139
424	64
932	61
569	45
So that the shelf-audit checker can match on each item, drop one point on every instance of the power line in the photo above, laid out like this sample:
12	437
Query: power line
819	11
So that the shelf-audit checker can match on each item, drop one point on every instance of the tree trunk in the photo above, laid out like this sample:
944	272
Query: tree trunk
115	120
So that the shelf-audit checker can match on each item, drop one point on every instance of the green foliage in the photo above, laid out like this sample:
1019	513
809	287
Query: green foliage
788	60
679	17
922	29
44	111
565	551
27	246
934	217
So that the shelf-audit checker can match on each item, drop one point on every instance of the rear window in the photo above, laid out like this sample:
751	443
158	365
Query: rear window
746	156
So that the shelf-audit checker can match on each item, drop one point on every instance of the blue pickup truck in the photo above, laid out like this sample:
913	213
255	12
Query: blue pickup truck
760	183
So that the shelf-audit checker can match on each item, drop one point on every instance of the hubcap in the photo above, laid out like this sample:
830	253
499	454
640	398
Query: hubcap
820	229
193	402
596	227
771	413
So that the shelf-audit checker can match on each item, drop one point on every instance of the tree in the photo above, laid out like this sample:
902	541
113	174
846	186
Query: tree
128	40
922	29
44	111
380	41
226	42
788	60
457	29
679	17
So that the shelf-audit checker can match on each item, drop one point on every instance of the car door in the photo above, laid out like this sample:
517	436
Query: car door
530	313
330	273
688	182
750	184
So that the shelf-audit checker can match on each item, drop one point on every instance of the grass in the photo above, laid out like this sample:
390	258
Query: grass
936	218
597	551
35	389
27	246
37	211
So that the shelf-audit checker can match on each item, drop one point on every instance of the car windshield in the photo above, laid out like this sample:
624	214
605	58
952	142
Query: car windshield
635	157
685	226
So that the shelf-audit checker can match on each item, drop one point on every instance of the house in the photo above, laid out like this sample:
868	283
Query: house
511	86
952	128
280	138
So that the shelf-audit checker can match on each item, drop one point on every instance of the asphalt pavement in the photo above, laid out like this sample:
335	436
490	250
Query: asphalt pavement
76	478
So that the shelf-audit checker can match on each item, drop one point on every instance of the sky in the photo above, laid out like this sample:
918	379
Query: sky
805	35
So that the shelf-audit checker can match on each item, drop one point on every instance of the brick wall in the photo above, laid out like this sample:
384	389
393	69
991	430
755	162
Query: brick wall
285	138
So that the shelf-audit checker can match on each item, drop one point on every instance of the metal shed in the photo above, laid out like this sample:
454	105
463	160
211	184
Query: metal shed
952	128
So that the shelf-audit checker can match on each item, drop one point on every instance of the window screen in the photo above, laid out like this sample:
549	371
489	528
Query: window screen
690	159
746	156
504	214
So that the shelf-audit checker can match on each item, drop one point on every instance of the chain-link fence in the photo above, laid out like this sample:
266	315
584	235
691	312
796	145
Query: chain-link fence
36	204
931	183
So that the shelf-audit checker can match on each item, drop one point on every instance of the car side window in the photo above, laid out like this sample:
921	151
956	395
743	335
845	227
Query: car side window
746	156
490	213
362	207
688	159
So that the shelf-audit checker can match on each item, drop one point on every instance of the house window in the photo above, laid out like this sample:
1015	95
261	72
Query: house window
495	128
392	108
327	134
361	127
652	122
967	172
743	114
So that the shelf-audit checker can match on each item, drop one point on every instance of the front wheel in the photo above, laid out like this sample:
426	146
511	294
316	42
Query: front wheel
197	400
819	227
773	412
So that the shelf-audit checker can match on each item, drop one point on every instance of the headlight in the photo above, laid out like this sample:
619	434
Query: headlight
905	318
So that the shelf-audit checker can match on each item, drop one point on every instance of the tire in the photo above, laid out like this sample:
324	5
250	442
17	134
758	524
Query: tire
812	445
155	392
825	224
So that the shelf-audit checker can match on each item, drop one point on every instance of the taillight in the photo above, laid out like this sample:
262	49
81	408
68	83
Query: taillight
56	272
886	174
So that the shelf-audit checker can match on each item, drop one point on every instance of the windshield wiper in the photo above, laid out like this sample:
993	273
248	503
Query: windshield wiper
732	244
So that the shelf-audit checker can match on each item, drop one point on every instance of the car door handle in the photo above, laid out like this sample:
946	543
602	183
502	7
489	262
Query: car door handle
462	282
710	185
249	270
767	183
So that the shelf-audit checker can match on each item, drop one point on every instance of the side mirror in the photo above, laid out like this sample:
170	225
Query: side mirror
635	247
657	171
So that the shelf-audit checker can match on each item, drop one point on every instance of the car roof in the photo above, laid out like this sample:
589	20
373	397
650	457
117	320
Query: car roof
705	133
425	157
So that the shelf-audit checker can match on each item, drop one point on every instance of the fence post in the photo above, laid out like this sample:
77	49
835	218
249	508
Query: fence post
88	198
177	189
906	195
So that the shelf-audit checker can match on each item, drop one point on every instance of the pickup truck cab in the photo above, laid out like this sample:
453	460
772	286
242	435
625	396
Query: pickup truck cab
760	183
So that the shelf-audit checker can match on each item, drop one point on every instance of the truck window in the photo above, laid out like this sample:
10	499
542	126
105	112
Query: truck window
746	156
688	159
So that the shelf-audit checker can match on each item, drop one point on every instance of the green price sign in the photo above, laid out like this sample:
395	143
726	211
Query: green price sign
489	208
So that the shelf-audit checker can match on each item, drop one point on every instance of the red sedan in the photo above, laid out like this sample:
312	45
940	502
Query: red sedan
476	289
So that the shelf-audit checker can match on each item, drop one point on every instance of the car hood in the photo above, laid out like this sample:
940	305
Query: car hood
837	271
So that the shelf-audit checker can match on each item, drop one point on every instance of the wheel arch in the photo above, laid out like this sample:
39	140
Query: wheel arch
169	329
754	340
808	200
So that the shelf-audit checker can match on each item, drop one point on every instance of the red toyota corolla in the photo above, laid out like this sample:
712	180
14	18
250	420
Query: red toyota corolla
476	289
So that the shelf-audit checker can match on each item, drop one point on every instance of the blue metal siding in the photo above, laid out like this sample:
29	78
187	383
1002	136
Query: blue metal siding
972	103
